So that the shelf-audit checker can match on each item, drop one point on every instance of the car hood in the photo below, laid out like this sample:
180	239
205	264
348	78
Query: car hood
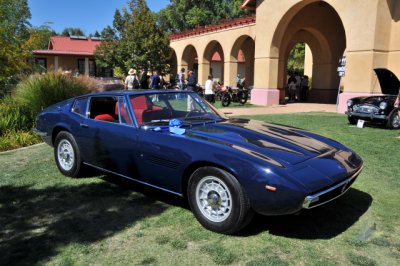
279	145
390	84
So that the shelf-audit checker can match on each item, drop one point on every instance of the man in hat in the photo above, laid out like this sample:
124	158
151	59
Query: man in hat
132	80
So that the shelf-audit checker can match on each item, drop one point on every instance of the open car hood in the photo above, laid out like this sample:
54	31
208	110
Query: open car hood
390	84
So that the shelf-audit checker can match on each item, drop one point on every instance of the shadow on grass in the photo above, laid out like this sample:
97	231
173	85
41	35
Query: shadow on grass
323	222
36	223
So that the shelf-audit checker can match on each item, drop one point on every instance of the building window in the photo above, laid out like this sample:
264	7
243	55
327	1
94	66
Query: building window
41	65
92	67
81	66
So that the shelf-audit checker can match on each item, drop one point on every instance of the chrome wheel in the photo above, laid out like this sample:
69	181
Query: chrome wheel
213	199
65	155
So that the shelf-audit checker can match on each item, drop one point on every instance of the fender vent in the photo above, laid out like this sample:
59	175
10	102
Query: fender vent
163	162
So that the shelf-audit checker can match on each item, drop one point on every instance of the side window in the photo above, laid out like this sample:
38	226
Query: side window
79	106
104	108
123	111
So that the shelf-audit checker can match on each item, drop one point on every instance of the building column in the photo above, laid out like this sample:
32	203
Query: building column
86	66
265	90
204	71
231	70
308	61
56	63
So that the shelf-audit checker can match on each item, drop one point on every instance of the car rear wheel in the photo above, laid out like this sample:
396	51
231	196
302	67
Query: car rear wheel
218	201
66	154
394	120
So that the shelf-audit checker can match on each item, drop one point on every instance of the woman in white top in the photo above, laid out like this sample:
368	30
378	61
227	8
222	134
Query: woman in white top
209	90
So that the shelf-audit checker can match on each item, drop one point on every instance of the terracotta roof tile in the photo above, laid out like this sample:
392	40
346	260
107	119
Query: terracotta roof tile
60	45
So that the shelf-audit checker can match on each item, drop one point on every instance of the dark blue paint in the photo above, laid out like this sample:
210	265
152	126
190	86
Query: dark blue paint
295	161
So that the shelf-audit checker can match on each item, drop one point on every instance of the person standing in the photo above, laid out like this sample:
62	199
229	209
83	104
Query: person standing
130	80
144	79
209	90
297	82
181	79
304	88
155	81
191	81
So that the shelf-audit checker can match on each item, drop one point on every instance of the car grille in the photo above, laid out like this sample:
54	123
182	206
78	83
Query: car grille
330	193
366	109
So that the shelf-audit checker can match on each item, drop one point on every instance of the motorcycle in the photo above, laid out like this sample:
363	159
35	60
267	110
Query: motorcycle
237	95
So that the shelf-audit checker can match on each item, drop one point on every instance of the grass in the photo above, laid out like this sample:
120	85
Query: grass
50	219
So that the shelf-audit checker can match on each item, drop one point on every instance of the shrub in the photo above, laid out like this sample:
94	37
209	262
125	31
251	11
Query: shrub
12	139
14	116
39	91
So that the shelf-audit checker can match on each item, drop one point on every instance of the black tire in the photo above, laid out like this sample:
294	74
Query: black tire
225	100
352	120
218	201
394	120
243	98
67	155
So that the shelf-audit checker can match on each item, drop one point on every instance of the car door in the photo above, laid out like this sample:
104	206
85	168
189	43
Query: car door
109	134
162	158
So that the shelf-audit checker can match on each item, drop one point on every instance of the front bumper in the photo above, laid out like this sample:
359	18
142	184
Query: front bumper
45	137
367	116
330	193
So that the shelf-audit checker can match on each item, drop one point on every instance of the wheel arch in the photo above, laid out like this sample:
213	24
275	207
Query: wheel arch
196	165
55	132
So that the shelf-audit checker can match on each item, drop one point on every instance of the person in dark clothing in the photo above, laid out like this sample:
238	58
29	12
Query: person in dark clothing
191	81
155	81
144	79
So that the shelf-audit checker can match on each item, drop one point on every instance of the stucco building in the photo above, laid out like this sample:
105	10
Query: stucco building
366	32
75	54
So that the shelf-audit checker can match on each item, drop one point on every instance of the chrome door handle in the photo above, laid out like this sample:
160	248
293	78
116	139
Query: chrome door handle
83	125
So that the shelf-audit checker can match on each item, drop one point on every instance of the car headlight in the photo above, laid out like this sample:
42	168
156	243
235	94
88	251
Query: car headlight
383	105
349	103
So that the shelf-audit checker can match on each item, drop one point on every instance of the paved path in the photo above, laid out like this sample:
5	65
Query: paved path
281	109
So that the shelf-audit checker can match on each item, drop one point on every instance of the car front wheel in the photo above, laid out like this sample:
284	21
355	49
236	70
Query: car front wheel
352	120
66	154
394	120
218	201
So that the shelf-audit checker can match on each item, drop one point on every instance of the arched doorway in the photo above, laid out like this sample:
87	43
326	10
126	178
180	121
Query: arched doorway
190	58
173	65
214	57
242	58
317	24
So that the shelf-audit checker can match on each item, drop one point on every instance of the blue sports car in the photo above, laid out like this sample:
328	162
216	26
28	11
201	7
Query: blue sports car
227	168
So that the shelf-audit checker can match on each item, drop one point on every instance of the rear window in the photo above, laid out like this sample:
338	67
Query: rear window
79	106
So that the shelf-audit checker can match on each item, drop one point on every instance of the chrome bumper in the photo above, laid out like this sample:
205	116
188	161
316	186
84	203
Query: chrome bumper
367	115
331	193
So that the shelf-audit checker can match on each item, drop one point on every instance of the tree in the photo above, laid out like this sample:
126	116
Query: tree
39	37
134	41
14	32
296	58
68	32
182	15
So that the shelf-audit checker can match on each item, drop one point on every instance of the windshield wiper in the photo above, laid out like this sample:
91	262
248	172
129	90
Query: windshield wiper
157	121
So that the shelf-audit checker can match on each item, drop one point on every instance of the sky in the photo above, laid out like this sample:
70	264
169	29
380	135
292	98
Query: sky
88	15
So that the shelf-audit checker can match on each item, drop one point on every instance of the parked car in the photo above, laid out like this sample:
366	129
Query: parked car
379	108
227	168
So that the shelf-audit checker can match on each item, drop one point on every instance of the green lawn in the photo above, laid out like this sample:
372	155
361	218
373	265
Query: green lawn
46	218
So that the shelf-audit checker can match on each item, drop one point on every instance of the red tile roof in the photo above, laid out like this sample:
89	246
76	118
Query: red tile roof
60	45
222	25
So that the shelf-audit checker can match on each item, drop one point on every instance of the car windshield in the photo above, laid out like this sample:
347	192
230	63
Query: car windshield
158	109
